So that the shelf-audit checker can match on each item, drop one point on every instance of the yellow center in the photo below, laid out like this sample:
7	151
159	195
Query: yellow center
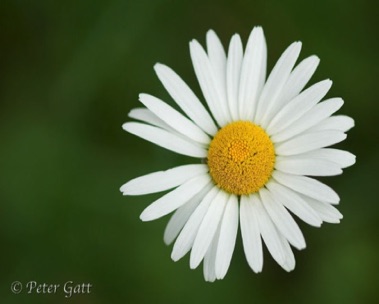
241	158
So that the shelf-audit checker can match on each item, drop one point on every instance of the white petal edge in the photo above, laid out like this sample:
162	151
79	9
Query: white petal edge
270	234
209	266
309	141
282	219
307	186
187	235
253	74
301	165
185	98
338	122
343	158
174	119
176	198
181	216
298	106
227	238
233	72
289	262
165	139
162	180
296	82
327	212
294	203
251	237
149	117
217	59
275	83
312	117
145	115
208	228
206	77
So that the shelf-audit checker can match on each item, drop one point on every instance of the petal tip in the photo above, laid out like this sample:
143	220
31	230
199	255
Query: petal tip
142	96
122	189
302	247
194	262
211	32
166	240
257	30
315	58
174	257
298	44
352	122
144	217
125	126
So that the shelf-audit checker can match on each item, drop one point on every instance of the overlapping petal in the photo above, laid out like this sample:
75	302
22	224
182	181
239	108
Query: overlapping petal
299	124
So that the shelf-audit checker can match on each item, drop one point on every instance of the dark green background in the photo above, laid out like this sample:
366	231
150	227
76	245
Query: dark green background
70	71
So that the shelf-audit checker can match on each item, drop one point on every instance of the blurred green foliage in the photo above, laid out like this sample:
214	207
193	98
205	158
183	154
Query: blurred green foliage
70	71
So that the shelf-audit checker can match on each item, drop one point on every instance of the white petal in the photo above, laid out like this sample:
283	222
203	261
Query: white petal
216	54
208	228
327	212
298	106
269	232
282	219
207	80
301	165
185	98
233	72
339	122
309	141
174	119
251	237
253	74
289	262
181	216
165	139
294	203
147	116
275	83
296	82
187	236
217	58
162	180
307	186
343	158
209	267
227	238
176	198
314	116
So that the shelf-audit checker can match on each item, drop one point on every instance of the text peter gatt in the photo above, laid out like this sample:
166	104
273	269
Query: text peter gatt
69	288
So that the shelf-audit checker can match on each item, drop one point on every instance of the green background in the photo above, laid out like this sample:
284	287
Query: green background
70	71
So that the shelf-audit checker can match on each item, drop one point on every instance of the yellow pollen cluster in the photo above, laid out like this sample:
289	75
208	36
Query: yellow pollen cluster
241	158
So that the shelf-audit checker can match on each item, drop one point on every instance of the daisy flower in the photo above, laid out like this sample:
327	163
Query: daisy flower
257	145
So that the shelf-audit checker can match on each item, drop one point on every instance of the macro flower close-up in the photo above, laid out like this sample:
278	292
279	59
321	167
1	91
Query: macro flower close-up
257	139
158	151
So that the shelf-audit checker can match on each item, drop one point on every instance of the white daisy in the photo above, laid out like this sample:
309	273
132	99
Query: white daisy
255	152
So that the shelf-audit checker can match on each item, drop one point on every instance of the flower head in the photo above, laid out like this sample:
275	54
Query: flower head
257	147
